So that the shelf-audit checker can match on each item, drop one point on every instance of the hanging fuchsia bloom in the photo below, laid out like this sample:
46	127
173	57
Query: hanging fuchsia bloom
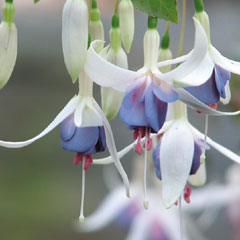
148	91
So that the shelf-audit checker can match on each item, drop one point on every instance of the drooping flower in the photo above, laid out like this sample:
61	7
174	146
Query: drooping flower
148	90
8	43
84	130
126	15
217	87
180	154
112	98
75	36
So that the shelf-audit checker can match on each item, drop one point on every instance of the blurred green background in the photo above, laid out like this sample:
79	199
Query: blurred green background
40	188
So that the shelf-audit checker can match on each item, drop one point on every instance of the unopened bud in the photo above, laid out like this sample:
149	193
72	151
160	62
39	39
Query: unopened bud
96	29
112	99
126	16
8	43
75	36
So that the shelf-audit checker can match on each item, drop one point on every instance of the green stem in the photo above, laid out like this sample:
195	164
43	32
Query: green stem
9	1
166	38
198	4
184	14
116	6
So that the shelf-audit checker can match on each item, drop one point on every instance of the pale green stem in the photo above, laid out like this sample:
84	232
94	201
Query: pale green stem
180	110
184	14
116	6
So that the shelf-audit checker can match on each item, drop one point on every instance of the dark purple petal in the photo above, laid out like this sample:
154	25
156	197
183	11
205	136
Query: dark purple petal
68	128
132	110
155	109
196	158
82	141
165	93
221	78
156	160
207	92
101	144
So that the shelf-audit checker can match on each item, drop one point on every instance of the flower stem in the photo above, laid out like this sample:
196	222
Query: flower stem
181	218
184	14
145	170
198	4
116	6
81	217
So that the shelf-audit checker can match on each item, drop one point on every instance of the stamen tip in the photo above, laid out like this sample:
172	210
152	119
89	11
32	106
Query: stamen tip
146	205
81	219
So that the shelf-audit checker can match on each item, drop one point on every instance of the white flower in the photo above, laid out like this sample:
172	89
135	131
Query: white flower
126	16
75	36
82	132
8	43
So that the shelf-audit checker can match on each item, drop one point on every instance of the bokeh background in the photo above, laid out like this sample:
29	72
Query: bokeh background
40	188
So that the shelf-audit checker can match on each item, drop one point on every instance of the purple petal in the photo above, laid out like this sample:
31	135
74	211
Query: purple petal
132	110
165	92
68	128
221	78
207	92
196	158
156	160
155	109
79	140
101	144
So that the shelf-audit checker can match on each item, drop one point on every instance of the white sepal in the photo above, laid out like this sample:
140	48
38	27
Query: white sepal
126	18
225	151
8	51
227	99
86	115
112	148
223	62
112	99
67	111
196	104
75	36
176	154
105	73
198	67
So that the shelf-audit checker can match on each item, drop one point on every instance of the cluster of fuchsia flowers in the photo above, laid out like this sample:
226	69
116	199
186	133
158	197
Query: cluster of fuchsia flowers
152	101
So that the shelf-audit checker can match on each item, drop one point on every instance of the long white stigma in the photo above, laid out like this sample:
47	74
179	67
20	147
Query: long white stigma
180	218
205	138
145	170
81	217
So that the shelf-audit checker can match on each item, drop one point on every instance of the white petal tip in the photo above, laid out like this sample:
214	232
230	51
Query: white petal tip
81	219
146	205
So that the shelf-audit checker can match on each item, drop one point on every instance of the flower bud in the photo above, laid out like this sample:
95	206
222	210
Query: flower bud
96	29
75	36
126	16
112	99
8	43
165	53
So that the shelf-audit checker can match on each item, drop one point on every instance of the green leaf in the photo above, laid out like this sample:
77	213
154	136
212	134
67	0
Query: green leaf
163	9
36	1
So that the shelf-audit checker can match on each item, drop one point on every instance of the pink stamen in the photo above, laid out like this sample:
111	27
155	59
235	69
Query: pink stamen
138	147
187	193
78	158
199	112
213	106
88	162
135	134
176	203
149	141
